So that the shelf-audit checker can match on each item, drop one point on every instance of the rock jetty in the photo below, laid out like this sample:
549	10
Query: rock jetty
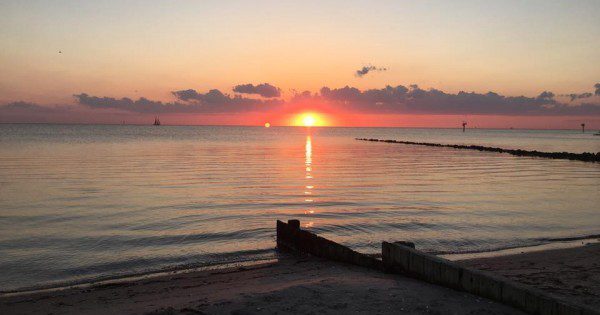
585	157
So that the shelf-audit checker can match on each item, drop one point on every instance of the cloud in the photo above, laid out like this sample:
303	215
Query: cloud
27	112
546	95
395	100
574	96
186	95
189	101
264	90
211	97
364	70
414	100
25	107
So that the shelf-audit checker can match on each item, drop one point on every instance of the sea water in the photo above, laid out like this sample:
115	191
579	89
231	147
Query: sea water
88	202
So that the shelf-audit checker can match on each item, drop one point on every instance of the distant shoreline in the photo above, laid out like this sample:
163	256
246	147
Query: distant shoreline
588	131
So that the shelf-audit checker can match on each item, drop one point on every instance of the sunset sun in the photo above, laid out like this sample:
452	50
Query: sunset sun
309	120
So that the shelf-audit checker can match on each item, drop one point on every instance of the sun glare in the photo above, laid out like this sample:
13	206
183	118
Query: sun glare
309	120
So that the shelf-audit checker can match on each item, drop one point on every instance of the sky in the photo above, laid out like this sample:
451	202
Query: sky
350	63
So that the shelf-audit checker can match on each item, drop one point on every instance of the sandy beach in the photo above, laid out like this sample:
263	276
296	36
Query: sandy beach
571	274
291	285
308	285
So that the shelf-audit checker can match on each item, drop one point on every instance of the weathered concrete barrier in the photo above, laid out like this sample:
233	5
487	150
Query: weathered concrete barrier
399	258
291	237
585	157
403	258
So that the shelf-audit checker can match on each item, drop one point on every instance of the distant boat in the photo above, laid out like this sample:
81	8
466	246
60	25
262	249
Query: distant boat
156	121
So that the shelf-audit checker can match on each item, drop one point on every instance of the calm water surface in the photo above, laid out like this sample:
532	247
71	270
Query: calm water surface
79	203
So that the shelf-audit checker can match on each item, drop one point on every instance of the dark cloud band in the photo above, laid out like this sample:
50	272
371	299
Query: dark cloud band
214	101
264	89
388	100
414	100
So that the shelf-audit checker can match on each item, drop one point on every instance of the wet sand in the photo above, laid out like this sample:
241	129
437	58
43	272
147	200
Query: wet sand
571	274
291	285
314	286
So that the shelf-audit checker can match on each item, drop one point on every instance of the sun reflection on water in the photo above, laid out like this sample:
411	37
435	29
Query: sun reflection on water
308	176
308	152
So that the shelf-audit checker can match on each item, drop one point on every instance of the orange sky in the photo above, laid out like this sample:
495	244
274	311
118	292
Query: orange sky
148	49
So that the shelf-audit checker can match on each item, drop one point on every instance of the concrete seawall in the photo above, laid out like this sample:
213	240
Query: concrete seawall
291	237
403	258
584	157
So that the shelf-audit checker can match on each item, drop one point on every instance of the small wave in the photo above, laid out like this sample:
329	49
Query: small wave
523	244
224	261
115	242
566	239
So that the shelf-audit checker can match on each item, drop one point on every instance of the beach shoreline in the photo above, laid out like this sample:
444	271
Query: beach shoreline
168	293
293	284
461	256
565	243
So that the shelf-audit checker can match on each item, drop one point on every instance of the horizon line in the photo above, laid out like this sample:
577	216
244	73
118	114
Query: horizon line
277	126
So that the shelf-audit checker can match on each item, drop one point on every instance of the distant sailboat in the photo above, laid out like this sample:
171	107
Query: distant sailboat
156	121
